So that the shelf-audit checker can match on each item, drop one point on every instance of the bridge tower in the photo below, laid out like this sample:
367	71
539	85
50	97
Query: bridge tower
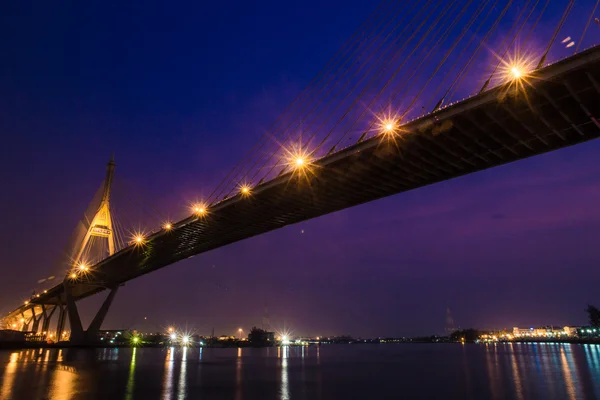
101	225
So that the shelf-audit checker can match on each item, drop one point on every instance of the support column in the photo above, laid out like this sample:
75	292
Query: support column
25	327
36	320
78	335
60	326
77	332
94	328
47	318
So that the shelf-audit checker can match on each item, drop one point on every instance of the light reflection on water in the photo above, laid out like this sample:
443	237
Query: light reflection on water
516	376
501	371
285	389
181	389
131	380
168	377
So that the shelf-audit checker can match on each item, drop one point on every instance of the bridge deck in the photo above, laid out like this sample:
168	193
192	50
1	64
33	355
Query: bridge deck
561	108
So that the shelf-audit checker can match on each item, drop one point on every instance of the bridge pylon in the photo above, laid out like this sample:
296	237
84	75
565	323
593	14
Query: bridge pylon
101	225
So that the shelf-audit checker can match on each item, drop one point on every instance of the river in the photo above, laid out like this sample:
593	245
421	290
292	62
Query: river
384	371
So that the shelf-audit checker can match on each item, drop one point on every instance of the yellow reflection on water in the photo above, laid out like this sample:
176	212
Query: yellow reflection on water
131	379
568	375
168	378
516	375
9	376
284	392
182	387
238	375
63	383
492	368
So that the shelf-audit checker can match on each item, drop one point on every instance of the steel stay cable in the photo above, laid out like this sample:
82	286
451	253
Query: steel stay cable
514	38
315	105
536	22
586	27
558	28
450	50
337	107
381	68
415	69
479	47
465	48
264	137
448	6
340	54
443	37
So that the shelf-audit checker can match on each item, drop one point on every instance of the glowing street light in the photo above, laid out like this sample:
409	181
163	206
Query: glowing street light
285	339
185	340
26	302
245	190
138	239
199	209
167	226
516	72
82	267
170	329
173	336
73	275
388	127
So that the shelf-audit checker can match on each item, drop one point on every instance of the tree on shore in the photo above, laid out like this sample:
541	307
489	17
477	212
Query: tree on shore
466	335
594	315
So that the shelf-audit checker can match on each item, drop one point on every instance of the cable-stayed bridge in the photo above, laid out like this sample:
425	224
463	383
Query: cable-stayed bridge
383	117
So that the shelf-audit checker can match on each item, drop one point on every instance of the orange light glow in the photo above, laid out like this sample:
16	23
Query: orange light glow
200	210
245	190
516	72
388	126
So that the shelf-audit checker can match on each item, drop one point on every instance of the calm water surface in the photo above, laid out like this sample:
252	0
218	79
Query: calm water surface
392	371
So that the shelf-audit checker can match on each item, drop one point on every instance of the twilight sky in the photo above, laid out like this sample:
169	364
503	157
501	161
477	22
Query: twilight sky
179	90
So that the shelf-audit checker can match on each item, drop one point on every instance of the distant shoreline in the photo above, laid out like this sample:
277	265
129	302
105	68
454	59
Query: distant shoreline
66	345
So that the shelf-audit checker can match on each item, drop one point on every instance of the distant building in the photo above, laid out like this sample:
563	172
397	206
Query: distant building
114	336
261	337
544	332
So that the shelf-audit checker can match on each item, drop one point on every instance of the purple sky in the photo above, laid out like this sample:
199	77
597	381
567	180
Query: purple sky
179	95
